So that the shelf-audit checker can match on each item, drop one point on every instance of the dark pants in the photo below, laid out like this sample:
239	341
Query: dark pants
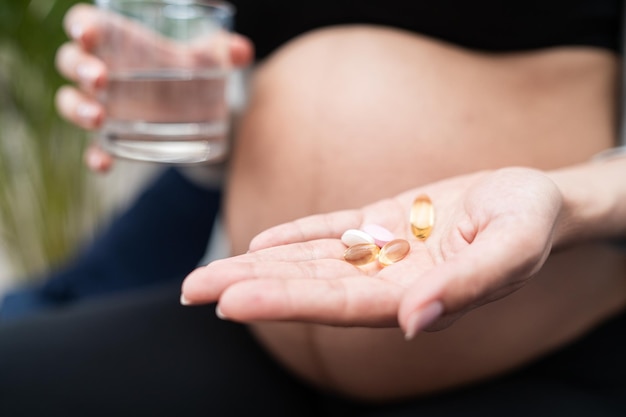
160	238
142	354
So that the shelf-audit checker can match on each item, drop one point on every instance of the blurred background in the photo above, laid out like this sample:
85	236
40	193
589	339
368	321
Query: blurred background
50	203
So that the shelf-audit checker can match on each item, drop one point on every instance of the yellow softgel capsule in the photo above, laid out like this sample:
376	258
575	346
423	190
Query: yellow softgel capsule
393	252
422	217
361	253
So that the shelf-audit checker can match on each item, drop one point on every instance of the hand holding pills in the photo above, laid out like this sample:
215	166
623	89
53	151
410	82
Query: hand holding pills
490	235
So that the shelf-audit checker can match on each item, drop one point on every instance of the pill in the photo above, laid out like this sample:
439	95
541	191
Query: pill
353	237
379	233
361	253
393	252
422	217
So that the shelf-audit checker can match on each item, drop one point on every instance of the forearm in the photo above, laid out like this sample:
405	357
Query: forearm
594	202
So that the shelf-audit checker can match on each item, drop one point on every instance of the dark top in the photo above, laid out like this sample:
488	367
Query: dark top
487	25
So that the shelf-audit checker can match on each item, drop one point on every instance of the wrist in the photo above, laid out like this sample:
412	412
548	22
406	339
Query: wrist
594	202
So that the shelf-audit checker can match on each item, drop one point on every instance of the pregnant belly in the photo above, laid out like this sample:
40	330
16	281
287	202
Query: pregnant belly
378	364
420	111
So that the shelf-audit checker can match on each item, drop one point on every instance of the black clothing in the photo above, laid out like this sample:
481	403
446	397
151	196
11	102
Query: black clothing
488	25
160	237
142	354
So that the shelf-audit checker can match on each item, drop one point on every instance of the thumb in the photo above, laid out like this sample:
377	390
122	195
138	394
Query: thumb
482	272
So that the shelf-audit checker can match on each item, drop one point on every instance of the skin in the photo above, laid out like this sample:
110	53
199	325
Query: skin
355	122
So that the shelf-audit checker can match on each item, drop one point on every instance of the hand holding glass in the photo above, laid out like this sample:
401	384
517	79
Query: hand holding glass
165	96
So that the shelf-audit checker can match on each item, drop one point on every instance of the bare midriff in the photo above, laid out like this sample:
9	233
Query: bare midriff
407	111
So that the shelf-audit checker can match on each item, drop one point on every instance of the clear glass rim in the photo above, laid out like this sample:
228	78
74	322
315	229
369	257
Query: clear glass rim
221	5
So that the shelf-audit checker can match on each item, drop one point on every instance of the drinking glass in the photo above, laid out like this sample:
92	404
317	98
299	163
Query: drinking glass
168	65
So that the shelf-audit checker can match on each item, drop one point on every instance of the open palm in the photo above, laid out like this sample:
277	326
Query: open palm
493	231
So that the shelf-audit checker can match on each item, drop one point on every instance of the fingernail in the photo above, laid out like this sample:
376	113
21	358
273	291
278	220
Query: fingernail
420	319
87	112
76	31
219	313
88	74
184	301
96	161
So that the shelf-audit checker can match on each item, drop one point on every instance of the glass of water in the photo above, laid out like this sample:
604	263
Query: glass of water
168	64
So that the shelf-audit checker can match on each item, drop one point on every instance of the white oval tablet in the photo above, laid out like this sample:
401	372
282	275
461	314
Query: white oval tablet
353	237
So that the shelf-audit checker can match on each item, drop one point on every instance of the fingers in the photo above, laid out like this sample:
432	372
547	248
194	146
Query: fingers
97	159
333	225
207	284
308	228
349	301
82	110
81	25
89	27
484	271
76	64
301	282
509	241
81	67
241	50
426	301
109	35
312	260
79	108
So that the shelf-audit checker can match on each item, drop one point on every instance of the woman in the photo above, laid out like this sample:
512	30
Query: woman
359	108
